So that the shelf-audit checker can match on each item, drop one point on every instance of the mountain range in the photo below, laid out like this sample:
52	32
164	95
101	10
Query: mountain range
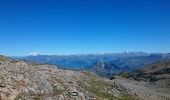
102	64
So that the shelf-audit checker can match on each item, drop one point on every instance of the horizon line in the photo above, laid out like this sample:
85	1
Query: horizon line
81	54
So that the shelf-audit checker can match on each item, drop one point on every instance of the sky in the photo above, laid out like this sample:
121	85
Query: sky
83	26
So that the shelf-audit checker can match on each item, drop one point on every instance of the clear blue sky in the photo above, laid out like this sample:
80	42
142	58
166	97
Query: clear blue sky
83	26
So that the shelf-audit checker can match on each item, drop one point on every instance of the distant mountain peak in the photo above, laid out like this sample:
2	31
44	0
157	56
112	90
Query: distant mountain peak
33	53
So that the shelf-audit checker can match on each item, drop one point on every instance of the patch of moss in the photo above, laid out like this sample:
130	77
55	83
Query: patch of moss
31	96
18	97
126	97
58	91
88	73
101	89
59	87
38	97
127	75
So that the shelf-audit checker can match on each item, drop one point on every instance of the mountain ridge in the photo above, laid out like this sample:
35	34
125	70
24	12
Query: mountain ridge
127	61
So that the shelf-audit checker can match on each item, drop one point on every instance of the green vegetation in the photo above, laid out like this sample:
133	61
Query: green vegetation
127	75
59	87
19	97
126	97
58	90
101	89
38	97
89	74
33	96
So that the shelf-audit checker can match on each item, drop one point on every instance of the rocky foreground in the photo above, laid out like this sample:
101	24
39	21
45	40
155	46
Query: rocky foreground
20	80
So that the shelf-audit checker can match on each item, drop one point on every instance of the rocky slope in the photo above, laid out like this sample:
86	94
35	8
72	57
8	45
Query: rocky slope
149	83
20	80
144	90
